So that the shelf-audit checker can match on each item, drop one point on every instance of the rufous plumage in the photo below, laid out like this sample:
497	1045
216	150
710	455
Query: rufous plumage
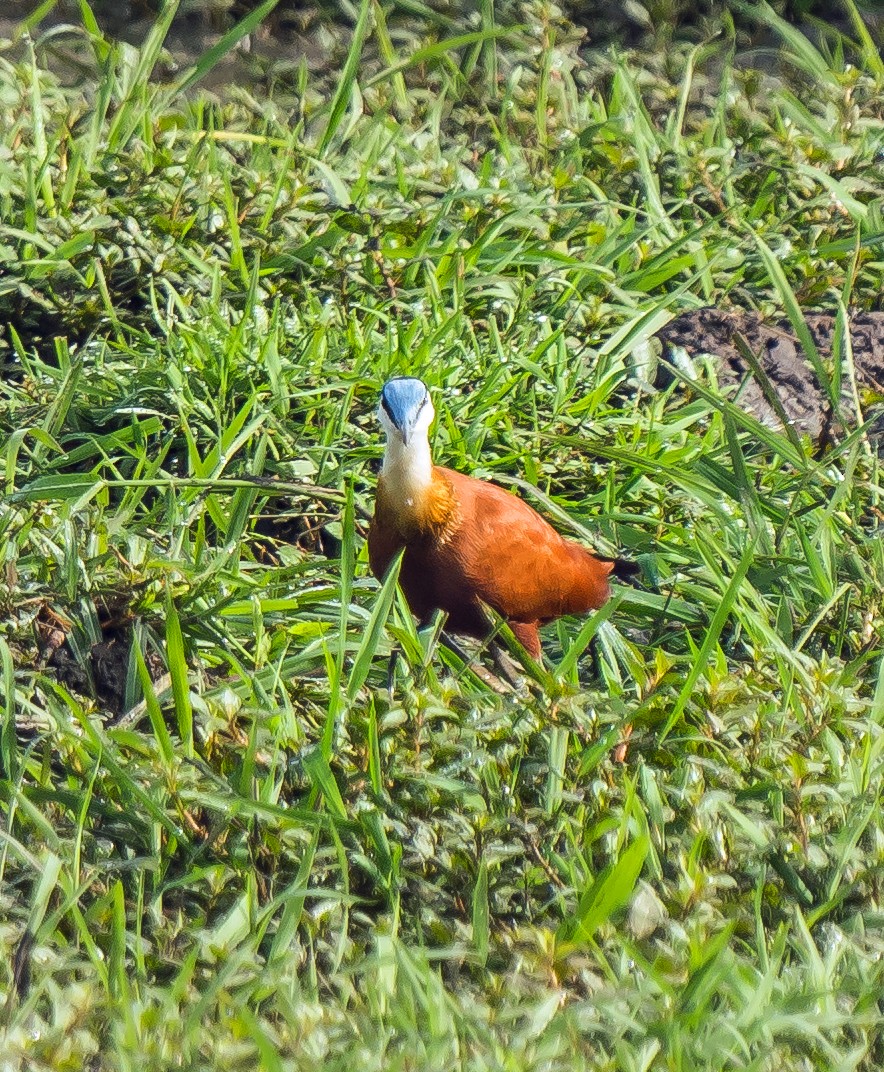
468	542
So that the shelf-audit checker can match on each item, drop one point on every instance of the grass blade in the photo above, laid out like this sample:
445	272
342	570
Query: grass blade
347	81
8	737
481	917
212	56
728	599
371	638
178	671
320	774
607	893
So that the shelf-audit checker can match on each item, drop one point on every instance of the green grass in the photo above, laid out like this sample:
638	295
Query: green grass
225	842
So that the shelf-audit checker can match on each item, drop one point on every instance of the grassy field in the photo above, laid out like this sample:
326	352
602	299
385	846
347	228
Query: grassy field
226	843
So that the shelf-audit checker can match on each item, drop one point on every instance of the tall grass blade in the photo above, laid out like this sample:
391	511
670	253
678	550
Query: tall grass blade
722	612
154	712
320	774
9	761
213	55
347	81
481	917
796	318
608	892
179	674
371	638
131	108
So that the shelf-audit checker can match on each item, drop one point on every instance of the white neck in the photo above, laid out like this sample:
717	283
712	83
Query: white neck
407	470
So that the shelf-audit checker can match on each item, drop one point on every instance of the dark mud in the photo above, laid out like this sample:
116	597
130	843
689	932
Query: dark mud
790	372
98	668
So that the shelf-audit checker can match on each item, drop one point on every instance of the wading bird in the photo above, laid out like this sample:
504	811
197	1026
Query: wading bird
468	542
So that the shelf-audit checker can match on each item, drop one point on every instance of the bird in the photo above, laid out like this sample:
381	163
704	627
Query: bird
467	542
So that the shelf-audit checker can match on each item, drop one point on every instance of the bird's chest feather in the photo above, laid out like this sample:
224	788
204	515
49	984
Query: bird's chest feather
423	522
424	516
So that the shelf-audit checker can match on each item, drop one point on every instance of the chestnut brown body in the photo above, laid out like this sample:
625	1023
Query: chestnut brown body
468	542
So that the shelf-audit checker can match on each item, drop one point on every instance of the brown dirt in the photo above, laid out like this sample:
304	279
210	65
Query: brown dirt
783	361
101	672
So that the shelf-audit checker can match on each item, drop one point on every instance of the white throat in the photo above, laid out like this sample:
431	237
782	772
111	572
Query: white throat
407	470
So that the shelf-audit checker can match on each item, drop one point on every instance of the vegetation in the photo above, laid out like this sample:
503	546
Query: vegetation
228	841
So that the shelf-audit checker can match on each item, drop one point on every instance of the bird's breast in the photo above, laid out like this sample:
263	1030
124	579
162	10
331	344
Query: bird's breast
426	512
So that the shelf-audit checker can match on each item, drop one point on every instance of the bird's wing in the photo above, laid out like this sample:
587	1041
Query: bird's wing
515	560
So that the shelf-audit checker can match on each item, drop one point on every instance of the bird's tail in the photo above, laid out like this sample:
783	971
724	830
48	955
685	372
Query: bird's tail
626	570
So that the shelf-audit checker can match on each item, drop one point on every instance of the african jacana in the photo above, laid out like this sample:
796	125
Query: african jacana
468	542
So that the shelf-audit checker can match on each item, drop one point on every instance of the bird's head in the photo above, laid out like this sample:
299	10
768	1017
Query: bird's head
406	411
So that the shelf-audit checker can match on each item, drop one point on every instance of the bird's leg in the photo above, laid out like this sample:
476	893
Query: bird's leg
391	669
595	658
485	676
506	665
528	635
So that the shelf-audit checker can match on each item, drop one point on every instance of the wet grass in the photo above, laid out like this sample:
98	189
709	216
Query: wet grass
226	843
